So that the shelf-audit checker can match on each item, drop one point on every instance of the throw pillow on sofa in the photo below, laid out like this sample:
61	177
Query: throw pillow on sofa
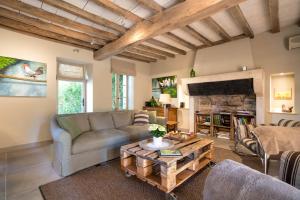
141	118
122	118
69	124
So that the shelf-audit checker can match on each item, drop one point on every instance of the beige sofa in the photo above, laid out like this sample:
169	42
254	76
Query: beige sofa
102	135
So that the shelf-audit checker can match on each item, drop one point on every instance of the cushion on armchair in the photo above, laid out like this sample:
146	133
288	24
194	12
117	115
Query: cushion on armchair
290	168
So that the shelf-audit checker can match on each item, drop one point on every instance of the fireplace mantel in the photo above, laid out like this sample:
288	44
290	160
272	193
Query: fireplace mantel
256	74
258	82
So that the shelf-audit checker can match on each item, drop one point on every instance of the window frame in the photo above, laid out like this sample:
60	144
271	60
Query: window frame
117	97
83	80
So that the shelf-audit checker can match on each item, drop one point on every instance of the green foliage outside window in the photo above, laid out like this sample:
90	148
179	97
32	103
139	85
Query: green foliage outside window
5	61
70	97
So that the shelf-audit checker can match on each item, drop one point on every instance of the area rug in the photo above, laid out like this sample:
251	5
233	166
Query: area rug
108	182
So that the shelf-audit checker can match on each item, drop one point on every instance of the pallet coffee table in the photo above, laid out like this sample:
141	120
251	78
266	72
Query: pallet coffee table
167	173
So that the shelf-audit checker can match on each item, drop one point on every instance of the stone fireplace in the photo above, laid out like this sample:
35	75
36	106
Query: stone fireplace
217	103
228	103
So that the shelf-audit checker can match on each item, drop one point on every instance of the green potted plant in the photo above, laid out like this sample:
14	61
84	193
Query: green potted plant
157	131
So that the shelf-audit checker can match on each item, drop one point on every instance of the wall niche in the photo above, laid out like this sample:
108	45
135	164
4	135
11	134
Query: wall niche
282	93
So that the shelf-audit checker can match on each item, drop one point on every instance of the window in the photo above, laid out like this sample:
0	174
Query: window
120	91
71	89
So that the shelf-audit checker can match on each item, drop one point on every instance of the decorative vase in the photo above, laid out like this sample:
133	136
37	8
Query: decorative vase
157	141
192	73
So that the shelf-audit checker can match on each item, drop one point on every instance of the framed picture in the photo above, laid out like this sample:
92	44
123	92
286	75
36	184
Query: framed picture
164	85
22	78
286	94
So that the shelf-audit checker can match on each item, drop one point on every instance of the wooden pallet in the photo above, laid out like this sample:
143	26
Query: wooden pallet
173	171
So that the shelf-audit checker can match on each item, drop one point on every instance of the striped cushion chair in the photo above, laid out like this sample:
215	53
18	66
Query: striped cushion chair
290	168
288	123
284	123
244	136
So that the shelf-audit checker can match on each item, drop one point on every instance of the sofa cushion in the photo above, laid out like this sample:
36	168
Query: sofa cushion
141	119
101	121
122	118
152	117
99	139
136	132
74	124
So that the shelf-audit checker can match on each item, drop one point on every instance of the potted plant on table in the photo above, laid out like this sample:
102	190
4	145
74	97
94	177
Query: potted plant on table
157	131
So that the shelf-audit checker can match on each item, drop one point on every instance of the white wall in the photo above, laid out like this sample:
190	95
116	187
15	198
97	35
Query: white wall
266	50
25	120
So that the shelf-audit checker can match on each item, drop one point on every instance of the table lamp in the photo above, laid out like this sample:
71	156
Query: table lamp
165	99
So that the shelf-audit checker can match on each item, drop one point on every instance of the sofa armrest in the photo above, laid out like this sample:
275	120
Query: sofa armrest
231	180
161	121
62	140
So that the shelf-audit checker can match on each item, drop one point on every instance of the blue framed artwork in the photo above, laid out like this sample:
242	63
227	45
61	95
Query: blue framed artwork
22	78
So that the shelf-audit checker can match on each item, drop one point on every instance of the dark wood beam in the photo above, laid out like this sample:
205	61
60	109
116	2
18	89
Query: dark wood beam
151	4
70	8
40	33
50	27
109	5
179	40
238	16
146	53
191	31
177	16
38	12
217	28
273	7
166	46
155	50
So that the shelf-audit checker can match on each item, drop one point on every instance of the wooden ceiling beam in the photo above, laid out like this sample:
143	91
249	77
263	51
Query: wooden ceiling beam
40	33
179	40
151	4
191	31
273	7
155	50
50	27
217	28
109	5
242	36
132	58
146	53
170	19
238	16
137	56
166	46
38	12
70	8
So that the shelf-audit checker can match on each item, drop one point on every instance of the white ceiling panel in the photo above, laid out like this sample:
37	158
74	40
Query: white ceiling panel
66	14
151	45
78	3
142	12
289	12
35	3
256	14
224	19
180	33
206	31
166	3
49	8
84	21
171	42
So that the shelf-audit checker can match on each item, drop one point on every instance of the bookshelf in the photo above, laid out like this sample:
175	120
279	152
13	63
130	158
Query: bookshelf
220	122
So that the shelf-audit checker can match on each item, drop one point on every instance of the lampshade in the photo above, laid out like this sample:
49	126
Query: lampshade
165	98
